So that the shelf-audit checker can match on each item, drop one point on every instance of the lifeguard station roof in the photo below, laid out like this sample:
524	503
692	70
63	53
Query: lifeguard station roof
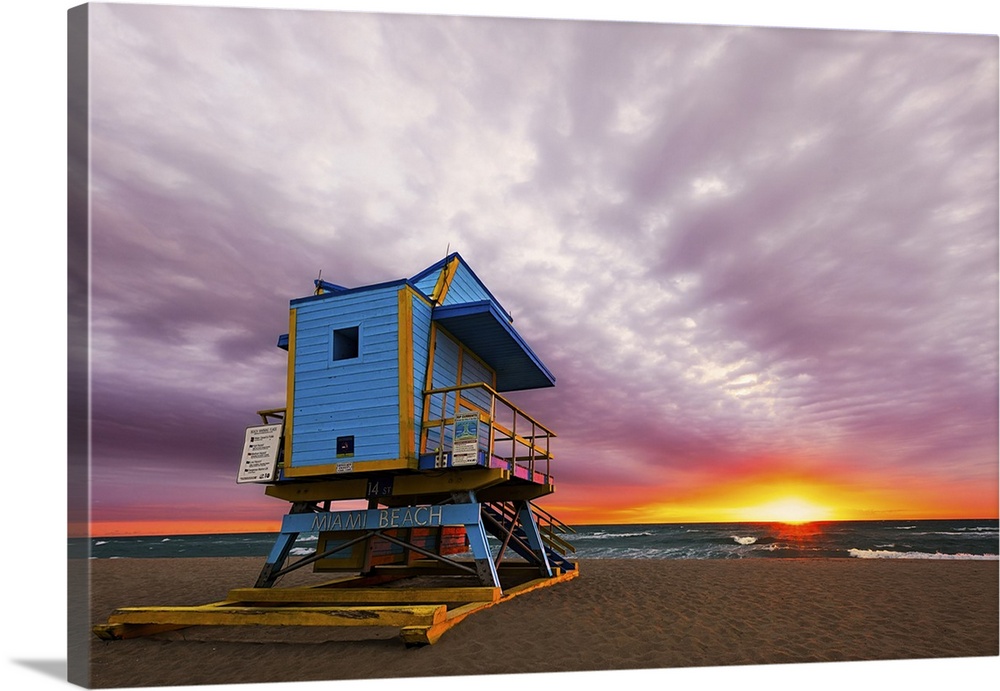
481	327
471	313
468	310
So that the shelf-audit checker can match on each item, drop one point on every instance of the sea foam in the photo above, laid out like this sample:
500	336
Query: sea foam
889	554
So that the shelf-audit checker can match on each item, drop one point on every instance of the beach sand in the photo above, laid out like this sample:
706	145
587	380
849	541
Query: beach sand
617	615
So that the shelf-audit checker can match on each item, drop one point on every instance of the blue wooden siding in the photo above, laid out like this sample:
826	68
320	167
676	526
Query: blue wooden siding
448	355
465	287
444	374
426	283
357	397
473	372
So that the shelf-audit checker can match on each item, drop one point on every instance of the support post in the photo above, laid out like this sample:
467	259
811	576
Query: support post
486	569
530	527
282	546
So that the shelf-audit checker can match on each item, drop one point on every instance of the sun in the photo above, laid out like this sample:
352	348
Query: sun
791	510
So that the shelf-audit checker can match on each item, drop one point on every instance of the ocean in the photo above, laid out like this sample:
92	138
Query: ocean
937	539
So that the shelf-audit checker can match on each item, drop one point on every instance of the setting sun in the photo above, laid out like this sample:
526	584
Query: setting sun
788	510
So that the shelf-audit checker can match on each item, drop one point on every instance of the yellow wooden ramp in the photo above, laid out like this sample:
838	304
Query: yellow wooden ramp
422	615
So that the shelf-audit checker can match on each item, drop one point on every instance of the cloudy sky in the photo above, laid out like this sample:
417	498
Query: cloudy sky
761	263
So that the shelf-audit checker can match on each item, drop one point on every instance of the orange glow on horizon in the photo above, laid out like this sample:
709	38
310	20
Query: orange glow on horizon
180	527
791	510
761	490
778	491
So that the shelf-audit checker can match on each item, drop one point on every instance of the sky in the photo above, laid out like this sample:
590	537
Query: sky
760	262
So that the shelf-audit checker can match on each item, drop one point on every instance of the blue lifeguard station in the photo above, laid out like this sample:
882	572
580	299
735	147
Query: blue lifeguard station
395	410
394	397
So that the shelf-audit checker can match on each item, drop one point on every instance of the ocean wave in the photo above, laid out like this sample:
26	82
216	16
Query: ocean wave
889	554
610	536
954	533
100	542
978	529
743	540
302	551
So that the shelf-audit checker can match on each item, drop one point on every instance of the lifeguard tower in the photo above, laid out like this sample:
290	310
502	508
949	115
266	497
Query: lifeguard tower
394	397
398	451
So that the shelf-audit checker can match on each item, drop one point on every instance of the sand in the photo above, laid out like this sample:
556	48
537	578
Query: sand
617	615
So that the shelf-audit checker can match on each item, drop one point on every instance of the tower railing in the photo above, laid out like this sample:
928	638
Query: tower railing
506	432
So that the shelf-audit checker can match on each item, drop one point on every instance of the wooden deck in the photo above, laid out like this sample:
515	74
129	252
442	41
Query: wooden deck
422	614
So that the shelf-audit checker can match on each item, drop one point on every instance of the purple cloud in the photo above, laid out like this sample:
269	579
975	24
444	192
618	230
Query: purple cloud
724	241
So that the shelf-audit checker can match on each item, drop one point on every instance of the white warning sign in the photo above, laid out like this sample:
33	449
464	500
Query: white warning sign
465	444
260	454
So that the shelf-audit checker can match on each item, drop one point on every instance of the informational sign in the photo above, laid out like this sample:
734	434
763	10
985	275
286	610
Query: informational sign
260	454
379	487
398	517
465	442
345	446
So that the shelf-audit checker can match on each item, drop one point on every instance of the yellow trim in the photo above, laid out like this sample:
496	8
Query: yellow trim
418	624
354	487
389	596
382	615
428	382
515	492
421	296
349	488
290	389
428	635
444	281
358	467
407	449
459	366
484	415
463	351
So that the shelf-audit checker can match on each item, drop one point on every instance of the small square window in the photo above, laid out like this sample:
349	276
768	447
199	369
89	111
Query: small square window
345	343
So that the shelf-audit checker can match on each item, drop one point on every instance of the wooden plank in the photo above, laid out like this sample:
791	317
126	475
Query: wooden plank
402	596
422	568
418	635
541	583
359	581
514	492
290	387
360	466
119	632
404	336
419	624
403	485
426	615
444	280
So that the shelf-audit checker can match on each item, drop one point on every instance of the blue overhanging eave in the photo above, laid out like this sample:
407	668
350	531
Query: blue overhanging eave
482	328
